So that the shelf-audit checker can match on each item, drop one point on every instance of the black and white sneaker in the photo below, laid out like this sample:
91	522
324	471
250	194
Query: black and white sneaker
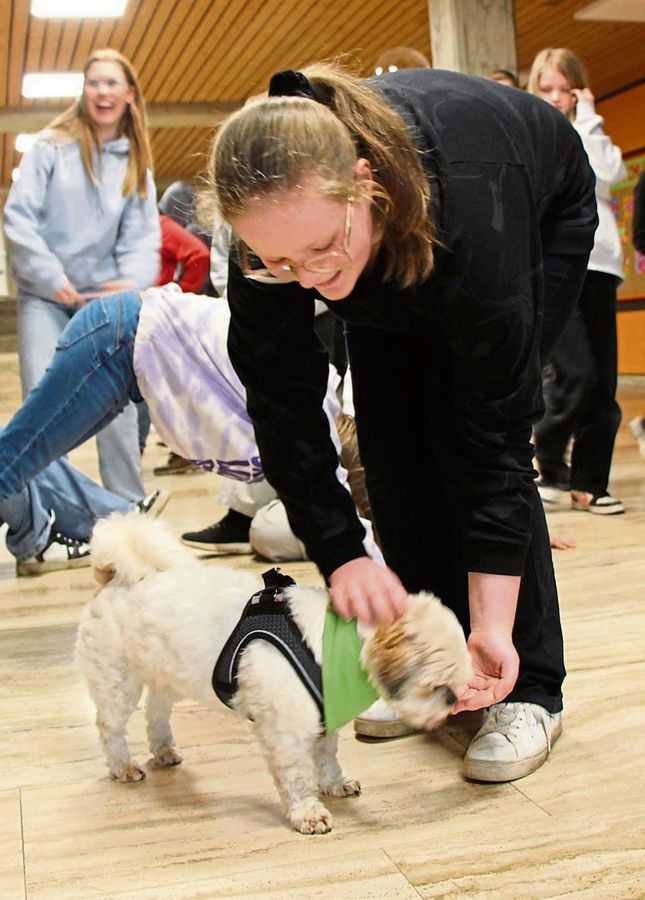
228	536
61	552
153	504
552	493
600	504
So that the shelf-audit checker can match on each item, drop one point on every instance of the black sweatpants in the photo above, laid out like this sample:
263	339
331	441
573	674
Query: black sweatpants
406	430
580	392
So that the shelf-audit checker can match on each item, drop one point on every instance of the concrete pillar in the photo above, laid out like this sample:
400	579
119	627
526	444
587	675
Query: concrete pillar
472	36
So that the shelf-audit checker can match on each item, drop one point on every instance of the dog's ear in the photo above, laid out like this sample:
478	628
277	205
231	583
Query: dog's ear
389	658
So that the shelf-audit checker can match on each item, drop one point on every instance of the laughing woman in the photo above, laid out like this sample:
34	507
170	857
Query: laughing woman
81	221
448	221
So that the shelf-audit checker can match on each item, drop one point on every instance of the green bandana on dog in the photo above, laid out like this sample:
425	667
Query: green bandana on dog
347	691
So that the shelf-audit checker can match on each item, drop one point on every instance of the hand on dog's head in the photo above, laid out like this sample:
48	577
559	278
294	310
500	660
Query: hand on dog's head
420	663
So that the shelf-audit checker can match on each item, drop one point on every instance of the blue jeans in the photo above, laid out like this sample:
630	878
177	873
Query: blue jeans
89	382
40	324
75	500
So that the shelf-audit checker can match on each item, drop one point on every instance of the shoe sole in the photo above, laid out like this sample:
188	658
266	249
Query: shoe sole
382	729
219	549
491	771
54	565
616	510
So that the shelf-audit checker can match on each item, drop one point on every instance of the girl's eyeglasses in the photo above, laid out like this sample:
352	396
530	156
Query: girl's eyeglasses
327	261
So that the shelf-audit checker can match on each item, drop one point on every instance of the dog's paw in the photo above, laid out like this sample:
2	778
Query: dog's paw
131	772
311	817
347	788
168	757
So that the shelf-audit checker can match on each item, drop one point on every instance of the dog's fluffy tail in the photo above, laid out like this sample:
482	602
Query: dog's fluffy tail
130	547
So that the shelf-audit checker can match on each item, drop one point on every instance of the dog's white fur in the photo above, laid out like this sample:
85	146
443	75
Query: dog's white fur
161	620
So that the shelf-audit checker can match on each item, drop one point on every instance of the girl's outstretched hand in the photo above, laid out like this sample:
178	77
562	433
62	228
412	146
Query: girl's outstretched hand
495	669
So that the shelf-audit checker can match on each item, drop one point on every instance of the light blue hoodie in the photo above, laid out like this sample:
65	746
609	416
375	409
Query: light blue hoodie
60	227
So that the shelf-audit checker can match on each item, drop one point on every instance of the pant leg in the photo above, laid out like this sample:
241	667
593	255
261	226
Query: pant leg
566	380
599	414
28	522
406	433
243	497
271	536
91	379
76	500
40	324
567	362
119	455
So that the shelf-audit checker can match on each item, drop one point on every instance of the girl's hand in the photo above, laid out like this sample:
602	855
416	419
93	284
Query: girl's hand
496	665
583	94
69	296
110	287
560	542
367	591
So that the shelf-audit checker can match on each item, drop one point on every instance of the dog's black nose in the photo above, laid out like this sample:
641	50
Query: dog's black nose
451	697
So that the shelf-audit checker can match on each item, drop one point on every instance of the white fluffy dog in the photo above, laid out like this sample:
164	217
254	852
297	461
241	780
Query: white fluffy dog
161	620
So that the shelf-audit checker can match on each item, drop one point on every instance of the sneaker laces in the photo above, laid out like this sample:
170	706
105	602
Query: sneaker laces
75	548
507	719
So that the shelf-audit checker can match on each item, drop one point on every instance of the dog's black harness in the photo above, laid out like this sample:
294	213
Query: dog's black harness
267	617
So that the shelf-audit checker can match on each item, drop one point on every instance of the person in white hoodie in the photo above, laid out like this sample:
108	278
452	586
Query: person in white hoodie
81	221
581	376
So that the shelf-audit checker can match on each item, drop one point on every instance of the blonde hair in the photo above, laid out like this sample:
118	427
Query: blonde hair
563	61
280	143
76	124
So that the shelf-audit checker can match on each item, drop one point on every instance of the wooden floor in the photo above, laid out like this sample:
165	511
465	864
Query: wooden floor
213	826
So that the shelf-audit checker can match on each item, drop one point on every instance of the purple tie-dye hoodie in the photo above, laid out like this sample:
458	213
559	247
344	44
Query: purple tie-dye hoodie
196	401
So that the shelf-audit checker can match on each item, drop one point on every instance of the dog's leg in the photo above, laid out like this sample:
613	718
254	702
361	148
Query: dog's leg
160	737
332	780
292	766
115	703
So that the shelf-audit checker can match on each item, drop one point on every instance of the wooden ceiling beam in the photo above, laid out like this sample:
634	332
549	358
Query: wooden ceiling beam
15	119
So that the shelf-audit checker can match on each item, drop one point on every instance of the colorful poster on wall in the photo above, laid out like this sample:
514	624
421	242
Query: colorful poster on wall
633	287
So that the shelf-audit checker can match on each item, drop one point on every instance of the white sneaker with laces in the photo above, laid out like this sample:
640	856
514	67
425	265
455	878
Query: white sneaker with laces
514	740
61	552
381	721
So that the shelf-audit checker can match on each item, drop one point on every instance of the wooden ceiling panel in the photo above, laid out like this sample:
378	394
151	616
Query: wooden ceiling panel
220	51
613	52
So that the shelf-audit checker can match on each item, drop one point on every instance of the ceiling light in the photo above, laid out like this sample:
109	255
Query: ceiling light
81	9
52	84
25	142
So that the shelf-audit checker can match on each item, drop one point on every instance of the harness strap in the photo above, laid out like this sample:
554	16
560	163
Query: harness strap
267	617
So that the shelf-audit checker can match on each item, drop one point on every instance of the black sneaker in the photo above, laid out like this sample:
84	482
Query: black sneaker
61	552
153	504
228	536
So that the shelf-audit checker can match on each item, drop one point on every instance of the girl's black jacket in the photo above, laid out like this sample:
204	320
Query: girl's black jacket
510	183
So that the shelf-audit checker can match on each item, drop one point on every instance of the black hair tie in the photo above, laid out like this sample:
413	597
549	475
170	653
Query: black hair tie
292	84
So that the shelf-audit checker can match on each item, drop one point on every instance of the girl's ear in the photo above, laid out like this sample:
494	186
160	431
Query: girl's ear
363	169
